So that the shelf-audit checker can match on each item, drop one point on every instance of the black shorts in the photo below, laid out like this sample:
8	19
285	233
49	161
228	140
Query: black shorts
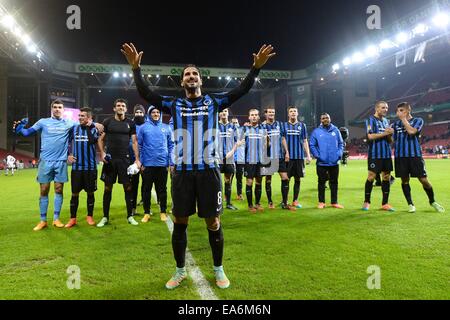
227	168
296	168
282	166
197	191
380	165
410	167
83	180
252	171
116	169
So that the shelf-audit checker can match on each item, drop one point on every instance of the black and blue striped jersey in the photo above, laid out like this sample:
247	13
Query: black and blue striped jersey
255	144
275	132
407	145
296	135
228	137
379	148
195	121
84	140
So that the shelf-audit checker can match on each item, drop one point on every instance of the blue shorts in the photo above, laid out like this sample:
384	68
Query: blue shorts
49	171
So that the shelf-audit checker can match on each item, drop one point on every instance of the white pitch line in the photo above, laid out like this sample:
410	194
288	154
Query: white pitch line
203	288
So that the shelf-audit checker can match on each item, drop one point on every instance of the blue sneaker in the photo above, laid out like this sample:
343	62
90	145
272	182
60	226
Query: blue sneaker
297	205
221	279
177	278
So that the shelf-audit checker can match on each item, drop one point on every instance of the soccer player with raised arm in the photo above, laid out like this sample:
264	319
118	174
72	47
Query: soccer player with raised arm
84	139
408	155
196	183
297	144
55	132
379	137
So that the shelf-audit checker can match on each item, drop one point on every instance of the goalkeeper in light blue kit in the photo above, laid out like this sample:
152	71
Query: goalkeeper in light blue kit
55	133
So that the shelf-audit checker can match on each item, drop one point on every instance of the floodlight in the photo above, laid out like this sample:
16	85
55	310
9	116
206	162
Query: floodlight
441	20
386	44
402	37
8	21
358	57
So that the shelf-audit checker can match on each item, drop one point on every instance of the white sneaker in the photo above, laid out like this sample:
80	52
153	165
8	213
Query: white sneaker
438	207
411	208
102	222
132	221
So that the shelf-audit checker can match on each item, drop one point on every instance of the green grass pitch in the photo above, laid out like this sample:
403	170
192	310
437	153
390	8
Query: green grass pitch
309	254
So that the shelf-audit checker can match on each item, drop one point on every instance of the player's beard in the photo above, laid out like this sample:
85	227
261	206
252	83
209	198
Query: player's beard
192	89
139	120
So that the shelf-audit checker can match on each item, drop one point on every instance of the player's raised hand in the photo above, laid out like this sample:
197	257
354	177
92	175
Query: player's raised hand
264	54
133	56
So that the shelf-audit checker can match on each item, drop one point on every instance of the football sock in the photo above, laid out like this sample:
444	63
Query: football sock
249	192
269	191
430	194
74	206
179	243
296	189
228	192
258	192
285	190
90	204
106	203
407	193
385	188
368	191
43	207
57	205
129	201
216	241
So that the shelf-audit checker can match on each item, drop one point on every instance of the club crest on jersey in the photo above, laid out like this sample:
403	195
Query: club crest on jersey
334	134
207	102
